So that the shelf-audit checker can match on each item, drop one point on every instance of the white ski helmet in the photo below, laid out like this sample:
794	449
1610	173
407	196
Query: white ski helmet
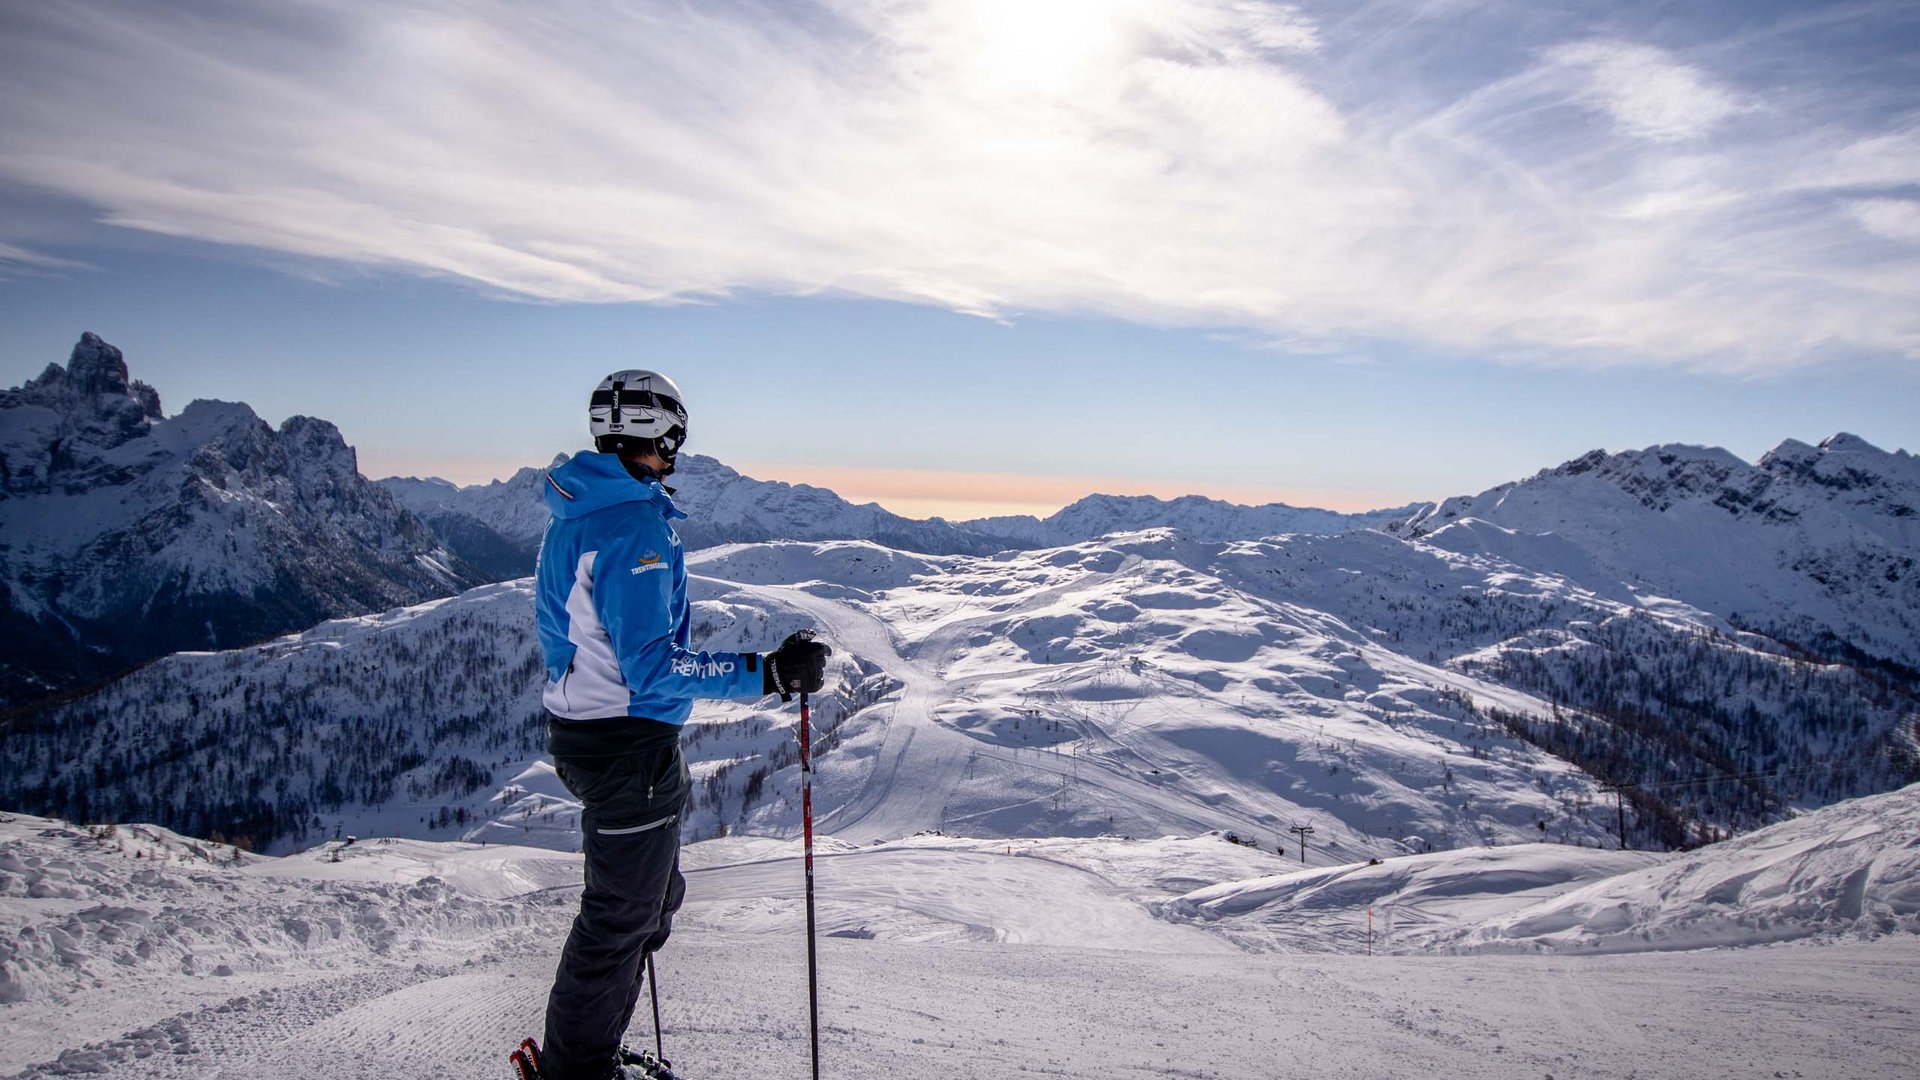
629	407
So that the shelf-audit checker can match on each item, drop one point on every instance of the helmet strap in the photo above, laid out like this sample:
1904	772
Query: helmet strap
630	447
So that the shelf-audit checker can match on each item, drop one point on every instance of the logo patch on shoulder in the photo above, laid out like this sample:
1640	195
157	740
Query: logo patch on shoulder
649	560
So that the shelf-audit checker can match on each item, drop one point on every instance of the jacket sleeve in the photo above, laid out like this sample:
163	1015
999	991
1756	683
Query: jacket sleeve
633	595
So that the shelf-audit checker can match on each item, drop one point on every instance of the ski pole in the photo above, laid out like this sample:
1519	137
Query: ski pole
653	984
806	815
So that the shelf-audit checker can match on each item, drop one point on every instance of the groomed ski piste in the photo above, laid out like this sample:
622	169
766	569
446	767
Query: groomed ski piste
1026	797
136	952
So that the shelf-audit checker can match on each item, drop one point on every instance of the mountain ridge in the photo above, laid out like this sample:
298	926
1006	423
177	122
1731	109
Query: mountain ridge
130	534
1826	538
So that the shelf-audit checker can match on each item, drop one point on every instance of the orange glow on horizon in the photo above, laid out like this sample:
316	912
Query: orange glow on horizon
954	494
958	495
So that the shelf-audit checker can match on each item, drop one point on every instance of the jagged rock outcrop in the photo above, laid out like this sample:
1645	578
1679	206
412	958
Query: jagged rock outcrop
128	534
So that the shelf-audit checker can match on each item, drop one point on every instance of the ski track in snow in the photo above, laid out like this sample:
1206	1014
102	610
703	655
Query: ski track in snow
945	958
915	745
919	746
734	1009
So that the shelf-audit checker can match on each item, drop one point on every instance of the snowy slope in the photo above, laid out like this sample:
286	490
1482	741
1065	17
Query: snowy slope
1140	685
1123	686
421	721
1849	869
129	534
1813	545
1846	871
1405	903
1130	687
938	958
136	930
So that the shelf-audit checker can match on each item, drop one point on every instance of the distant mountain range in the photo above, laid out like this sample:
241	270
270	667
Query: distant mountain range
1195	515
1814	545
126	534
1651	616
497	525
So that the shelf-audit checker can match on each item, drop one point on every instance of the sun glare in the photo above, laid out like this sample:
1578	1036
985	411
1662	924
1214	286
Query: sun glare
1044	47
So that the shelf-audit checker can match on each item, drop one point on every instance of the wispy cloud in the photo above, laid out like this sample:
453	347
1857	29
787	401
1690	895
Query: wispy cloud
1218	163
16	260
1645	90
1895	219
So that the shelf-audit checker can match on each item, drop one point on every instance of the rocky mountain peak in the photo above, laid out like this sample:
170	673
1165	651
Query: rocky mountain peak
1847	442
95	367
1847	466
132	534
96	380
313	444
64	420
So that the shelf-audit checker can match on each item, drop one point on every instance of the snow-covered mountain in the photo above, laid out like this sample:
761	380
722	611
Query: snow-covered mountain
1195	515
1816	546
1398	695
498	525
1139	685
129	534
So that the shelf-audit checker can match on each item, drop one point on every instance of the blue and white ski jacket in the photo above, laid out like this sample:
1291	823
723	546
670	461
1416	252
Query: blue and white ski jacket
612	602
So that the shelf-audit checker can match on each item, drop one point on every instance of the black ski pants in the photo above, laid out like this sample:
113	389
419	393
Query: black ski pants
630	833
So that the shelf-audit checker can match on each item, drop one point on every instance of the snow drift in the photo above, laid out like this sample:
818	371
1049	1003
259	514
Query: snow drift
1851	869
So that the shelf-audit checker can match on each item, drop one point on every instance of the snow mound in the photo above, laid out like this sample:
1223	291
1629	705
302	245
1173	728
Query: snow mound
1413	900
1849	870
89	908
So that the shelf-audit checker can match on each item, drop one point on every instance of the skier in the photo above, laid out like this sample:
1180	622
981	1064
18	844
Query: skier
621	679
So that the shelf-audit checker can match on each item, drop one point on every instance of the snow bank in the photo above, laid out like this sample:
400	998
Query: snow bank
1414	899
1850	869
87	908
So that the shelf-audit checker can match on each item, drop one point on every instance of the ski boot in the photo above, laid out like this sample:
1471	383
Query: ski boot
526	1060
644	1066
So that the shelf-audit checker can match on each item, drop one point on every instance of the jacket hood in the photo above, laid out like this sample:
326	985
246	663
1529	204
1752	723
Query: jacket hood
590	481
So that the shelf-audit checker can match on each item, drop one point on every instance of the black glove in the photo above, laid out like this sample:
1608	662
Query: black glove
799	665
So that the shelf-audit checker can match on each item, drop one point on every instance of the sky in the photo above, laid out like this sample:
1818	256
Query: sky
987	257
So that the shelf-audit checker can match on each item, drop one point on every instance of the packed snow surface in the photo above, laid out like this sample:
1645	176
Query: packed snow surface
136	952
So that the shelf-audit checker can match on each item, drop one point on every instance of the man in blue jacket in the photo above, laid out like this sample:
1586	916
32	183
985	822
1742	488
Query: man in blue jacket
621	680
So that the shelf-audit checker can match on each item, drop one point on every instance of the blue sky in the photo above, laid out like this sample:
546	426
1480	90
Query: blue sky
980	257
